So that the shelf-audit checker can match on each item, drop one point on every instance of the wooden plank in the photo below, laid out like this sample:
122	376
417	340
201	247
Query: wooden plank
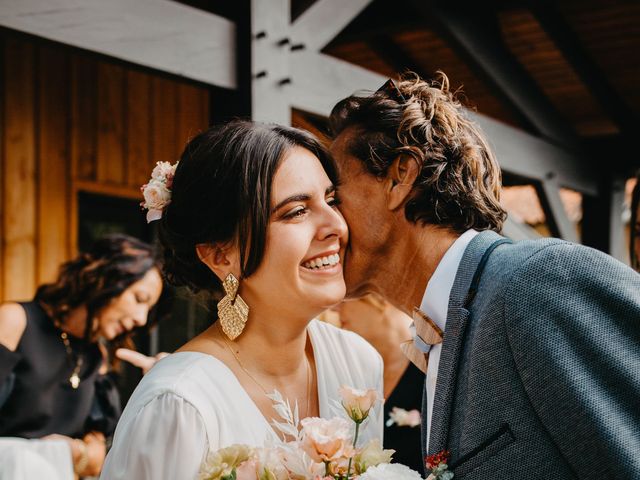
84	133
84	117
19	220
110	151
164	147
163	35
472	33
53	161
138	134
193	108
2	163
107	190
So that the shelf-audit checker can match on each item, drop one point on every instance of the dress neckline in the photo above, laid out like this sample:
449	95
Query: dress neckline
321	389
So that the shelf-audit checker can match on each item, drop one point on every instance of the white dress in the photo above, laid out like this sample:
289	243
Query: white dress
191	403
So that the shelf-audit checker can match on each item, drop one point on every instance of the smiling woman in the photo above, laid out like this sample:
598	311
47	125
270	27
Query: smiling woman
52	365
253	211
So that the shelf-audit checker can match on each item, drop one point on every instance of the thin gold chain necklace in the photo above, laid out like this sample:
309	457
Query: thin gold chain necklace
74	379
259	384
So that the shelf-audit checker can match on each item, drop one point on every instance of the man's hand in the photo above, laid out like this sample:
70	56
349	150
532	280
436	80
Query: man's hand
139	360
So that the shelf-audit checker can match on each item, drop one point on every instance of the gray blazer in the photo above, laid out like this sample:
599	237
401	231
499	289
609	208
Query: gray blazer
539	376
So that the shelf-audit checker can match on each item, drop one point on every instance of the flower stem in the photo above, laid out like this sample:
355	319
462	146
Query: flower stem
355	441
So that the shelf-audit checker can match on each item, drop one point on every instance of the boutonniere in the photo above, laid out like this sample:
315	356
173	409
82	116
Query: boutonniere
404	418
437	463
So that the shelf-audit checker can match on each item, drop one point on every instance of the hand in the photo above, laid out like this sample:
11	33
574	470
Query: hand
139	360
76	446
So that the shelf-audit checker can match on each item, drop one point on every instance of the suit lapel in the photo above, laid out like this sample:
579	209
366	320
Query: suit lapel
454	335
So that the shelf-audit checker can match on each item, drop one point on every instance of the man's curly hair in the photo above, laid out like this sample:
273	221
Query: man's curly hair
459	182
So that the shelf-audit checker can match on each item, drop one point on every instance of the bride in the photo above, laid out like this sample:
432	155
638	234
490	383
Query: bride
253	209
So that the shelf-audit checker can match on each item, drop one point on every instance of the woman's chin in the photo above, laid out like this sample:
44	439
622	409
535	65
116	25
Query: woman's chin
327	297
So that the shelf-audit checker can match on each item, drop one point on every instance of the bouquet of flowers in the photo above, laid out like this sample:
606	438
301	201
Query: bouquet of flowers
313	449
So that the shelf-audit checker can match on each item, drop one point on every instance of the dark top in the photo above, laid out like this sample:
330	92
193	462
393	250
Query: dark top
406	441
36	397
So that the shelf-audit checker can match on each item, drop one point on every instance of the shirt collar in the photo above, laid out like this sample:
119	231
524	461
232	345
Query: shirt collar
435	302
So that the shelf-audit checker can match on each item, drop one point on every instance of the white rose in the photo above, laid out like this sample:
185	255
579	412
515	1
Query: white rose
156	195
161	170
386	471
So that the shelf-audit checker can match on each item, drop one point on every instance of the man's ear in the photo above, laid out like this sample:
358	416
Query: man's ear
400	177
221	259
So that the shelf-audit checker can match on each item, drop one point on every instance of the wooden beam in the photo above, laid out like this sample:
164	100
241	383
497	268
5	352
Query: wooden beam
602	225
323	20
319	81
270	54
159	34
557	219
553	22
518	231
473	32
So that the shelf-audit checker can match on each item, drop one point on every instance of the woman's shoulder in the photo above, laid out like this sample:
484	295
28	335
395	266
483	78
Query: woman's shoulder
190	377
13	322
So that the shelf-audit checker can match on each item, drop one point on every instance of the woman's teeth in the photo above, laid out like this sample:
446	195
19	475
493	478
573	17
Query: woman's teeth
322	262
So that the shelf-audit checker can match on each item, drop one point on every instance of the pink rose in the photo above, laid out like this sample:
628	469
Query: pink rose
358	403
327	440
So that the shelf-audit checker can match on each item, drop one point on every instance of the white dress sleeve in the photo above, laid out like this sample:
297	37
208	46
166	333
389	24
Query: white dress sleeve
166	439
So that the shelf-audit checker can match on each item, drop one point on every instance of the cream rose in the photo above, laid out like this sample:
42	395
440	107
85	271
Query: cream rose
371	455
156	195
358	403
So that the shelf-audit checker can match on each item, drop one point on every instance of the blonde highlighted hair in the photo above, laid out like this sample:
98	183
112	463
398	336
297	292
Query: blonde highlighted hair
460	180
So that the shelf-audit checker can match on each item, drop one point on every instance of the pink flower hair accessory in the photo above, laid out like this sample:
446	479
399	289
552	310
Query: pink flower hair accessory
157	192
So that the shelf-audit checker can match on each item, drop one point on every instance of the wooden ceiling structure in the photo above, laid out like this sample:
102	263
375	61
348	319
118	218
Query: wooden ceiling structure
553	83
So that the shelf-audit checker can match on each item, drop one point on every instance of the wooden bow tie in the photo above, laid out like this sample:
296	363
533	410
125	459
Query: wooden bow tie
430	334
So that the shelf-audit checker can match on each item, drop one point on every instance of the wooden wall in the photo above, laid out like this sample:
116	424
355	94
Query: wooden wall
72	121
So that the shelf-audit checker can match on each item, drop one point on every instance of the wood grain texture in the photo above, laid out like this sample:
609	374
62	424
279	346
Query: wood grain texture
138	128
111	141
164	109
52	241
19	154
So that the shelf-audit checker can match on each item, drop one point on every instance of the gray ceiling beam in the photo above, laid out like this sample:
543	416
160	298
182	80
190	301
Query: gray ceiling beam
319	81
525	155
163	35
323	21
555	25
474	33
559	222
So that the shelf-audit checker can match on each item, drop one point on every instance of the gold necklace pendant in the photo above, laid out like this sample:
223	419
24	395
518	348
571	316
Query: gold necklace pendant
74	380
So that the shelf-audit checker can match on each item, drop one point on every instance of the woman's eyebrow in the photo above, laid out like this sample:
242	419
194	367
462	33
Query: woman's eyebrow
300	197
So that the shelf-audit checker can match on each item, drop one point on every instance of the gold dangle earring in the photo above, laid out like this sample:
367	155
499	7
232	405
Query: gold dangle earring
232	309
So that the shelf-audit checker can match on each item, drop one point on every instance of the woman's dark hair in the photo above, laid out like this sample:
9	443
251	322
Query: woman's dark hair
635	204
94	278
460	180
221	193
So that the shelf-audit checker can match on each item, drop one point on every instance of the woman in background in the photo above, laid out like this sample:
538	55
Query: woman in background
386	327
53	349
